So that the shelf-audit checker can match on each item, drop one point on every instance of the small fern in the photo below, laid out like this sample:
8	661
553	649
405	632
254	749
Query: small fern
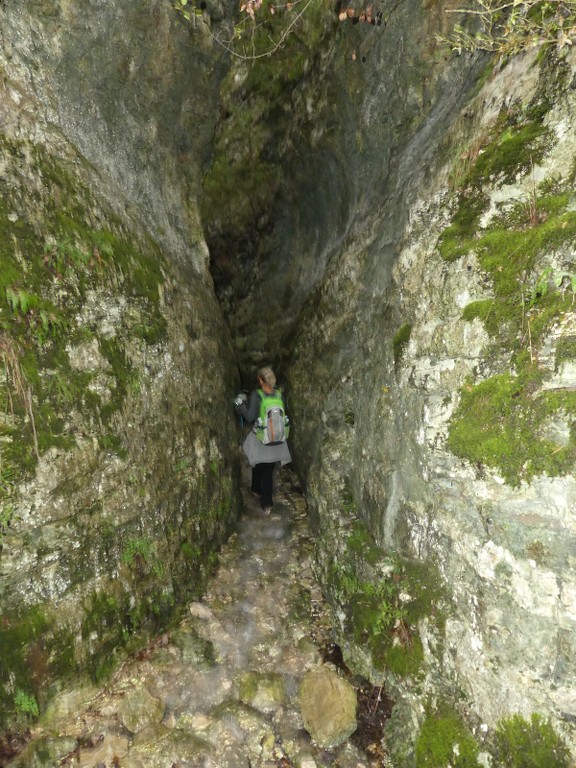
25	704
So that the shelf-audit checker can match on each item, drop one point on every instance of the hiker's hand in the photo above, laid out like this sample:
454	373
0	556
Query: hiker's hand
239	399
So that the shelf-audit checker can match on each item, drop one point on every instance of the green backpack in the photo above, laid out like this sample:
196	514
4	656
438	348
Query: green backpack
272	426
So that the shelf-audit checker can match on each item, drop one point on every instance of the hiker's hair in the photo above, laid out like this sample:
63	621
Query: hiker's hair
267	375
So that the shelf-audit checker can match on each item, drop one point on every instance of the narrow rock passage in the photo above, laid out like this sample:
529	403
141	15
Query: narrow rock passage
222	689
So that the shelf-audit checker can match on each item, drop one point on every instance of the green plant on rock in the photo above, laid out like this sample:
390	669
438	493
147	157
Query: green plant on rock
48	324
533	743
187	9
17	382
382	601
518	141
349	509
510	27
515	142
25	705
183	464
141	555
112	443
191	552
7	490
107	625
66	260
563	281
20	301
26	641
444	741
6	512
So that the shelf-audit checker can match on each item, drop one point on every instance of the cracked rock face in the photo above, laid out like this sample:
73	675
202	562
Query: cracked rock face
405	251
381	367
116	483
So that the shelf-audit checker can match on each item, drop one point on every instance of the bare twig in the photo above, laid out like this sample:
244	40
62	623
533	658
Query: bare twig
530	342
30	409
271	51
378	699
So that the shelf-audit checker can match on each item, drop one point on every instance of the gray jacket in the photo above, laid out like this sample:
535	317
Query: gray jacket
256	452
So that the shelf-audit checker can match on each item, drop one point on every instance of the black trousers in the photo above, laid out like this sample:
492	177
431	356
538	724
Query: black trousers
262	483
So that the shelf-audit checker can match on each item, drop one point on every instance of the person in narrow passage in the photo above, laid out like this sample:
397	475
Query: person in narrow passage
265	444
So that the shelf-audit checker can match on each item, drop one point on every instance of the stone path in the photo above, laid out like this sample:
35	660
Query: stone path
222	689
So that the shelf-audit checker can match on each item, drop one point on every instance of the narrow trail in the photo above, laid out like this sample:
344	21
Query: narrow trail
222	689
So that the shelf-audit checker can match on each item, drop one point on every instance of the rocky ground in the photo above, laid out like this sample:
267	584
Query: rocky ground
249	679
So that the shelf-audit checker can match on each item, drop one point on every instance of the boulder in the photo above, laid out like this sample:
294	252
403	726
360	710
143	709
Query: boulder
328	706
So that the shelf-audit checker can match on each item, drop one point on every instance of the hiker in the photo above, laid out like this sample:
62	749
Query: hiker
266	443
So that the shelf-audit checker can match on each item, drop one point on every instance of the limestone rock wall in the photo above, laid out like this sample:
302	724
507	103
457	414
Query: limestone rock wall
393	227
432	394
117	468
115	82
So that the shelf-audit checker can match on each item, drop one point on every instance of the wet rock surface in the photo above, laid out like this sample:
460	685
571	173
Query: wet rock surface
223	689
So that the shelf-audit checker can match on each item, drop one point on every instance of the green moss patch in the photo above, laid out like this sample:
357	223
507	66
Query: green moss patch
51	256
141	556
501	422
383	600
444	740
458	238
517	140
521	140
565	350
106	625
117	621
32	653
521	743
400	342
